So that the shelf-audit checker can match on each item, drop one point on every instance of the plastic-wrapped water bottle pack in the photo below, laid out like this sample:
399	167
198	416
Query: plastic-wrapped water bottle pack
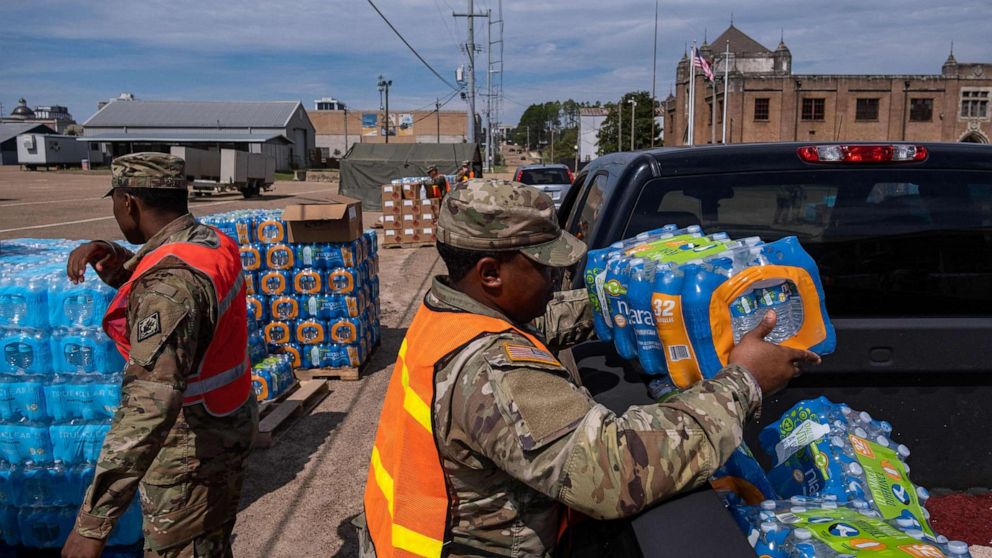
317	303
843	489
59	388
678	300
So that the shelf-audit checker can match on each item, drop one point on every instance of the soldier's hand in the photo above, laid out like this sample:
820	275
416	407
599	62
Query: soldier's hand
78	546
771	365
99	254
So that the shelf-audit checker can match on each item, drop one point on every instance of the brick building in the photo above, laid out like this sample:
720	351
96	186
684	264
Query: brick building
768	103
340	128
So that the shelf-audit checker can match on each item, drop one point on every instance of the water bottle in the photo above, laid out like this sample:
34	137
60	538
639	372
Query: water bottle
342	280
744	314
81	305
306	256
615	287
251	257
270	230
278	332
776	295
279	256
275	282
251	282
24	301
308	281
641	288
257	308
804	545
45	527
22	398
346	330
261	382
957	549
244	230
771	540
285	307
25	351
310	331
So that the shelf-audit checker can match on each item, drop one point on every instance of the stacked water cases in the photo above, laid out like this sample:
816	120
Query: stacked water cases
409	212
315	304
59	387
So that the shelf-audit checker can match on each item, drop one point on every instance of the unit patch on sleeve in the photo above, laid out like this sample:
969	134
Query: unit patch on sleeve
149	326
524	353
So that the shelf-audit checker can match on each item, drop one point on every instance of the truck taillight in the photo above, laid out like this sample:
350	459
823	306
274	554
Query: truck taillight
861	153
571	176
520	176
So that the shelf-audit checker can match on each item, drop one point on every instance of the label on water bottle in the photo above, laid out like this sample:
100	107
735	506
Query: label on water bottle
682	364
846	531
888	481
807	433
604	307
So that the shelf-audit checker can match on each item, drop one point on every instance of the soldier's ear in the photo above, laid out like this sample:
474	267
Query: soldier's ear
488	271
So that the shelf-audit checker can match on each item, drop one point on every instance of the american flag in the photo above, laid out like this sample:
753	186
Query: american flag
701	63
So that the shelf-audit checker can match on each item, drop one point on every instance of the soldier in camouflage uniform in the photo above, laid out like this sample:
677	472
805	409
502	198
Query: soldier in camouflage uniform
516	436
189	463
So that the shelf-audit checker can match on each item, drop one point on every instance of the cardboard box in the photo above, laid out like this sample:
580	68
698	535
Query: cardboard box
391	222
391	207
391	192
425	205
427	218
412	191
409	220
409	207
392	237
428	234
334	218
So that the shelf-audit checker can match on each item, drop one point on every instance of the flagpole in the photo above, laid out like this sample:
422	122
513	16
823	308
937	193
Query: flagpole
692	93
726	91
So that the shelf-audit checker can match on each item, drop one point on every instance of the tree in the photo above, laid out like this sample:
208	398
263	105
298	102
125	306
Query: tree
644	126
536	123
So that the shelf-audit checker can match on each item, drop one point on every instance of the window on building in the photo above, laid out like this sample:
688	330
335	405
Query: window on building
866	110
920	110
974	103
761	111
814	109
709	113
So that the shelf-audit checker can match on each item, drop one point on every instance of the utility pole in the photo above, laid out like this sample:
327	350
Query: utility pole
633	106
345	131
384	87
528	136
489	92
620	125
654	73
470	49
437	111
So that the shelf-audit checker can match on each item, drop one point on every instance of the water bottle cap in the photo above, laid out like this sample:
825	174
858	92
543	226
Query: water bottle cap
855	469
886	426
802	533
903	451
923	493
844	409
798	509
926	514
915	533
864	416
768	505
829	505
882	440
837	441
768	526
860	432
798	500
905	522
941	539
830	497
859	504
957	547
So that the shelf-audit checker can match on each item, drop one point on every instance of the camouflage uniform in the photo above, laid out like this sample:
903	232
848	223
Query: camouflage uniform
189	463
517	438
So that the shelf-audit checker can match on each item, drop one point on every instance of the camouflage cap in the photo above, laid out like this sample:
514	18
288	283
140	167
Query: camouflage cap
148	170
489	214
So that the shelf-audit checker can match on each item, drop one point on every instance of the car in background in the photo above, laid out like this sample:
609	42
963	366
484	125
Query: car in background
552	179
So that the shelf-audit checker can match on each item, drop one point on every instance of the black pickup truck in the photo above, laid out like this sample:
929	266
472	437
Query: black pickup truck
902	236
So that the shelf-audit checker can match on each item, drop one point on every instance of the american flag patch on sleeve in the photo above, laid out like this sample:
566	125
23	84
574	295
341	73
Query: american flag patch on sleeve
524	353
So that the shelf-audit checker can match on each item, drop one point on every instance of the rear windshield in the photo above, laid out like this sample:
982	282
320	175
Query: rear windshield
544	176
887	242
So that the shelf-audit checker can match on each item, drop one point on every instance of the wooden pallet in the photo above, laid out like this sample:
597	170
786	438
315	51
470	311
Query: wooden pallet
293	403
425	244
349	374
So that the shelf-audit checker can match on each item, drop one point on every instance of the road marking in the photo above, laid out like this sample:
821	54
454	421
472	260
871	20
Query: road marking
49	225
48	201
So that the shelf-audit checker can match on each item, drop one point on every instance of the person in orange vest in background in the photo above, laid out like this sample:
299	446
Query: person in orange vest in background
187	416
485	439
465	172
439	184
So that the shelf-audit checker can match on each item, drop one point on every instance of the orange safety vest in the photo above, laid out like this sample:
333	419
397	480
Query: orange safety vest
407	506
222	383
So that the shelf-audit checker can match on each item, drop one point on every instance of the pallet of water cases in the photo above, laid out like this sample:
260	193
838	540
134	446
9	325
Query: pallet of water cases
409	245
275	414
348	373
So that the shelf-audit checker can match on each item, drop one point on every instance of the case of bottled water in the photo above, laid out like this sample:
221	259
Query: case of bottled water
59	387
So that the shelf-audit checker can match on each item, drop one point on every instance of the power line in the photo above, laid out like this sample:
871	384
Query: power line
444	20
441	104
409	46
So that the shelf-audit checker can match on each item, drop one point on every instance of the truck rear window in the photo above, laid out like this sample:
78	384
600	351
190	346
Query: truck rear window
888	242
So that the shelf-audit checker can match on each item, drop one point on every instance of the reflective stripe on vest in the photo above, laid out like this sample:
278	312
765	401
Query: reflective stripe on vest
406	496
222	382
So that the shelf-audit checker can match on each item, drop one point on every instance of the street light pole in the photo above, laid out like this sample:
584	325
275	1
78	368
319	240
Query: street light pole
384	87
633	105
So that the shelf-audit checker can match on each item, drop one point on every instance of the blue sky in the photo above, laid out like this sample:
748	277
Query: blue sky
77	53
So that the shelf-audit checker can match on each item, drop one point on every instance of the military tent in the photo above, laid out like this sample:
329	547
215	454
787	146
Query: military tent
367	166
